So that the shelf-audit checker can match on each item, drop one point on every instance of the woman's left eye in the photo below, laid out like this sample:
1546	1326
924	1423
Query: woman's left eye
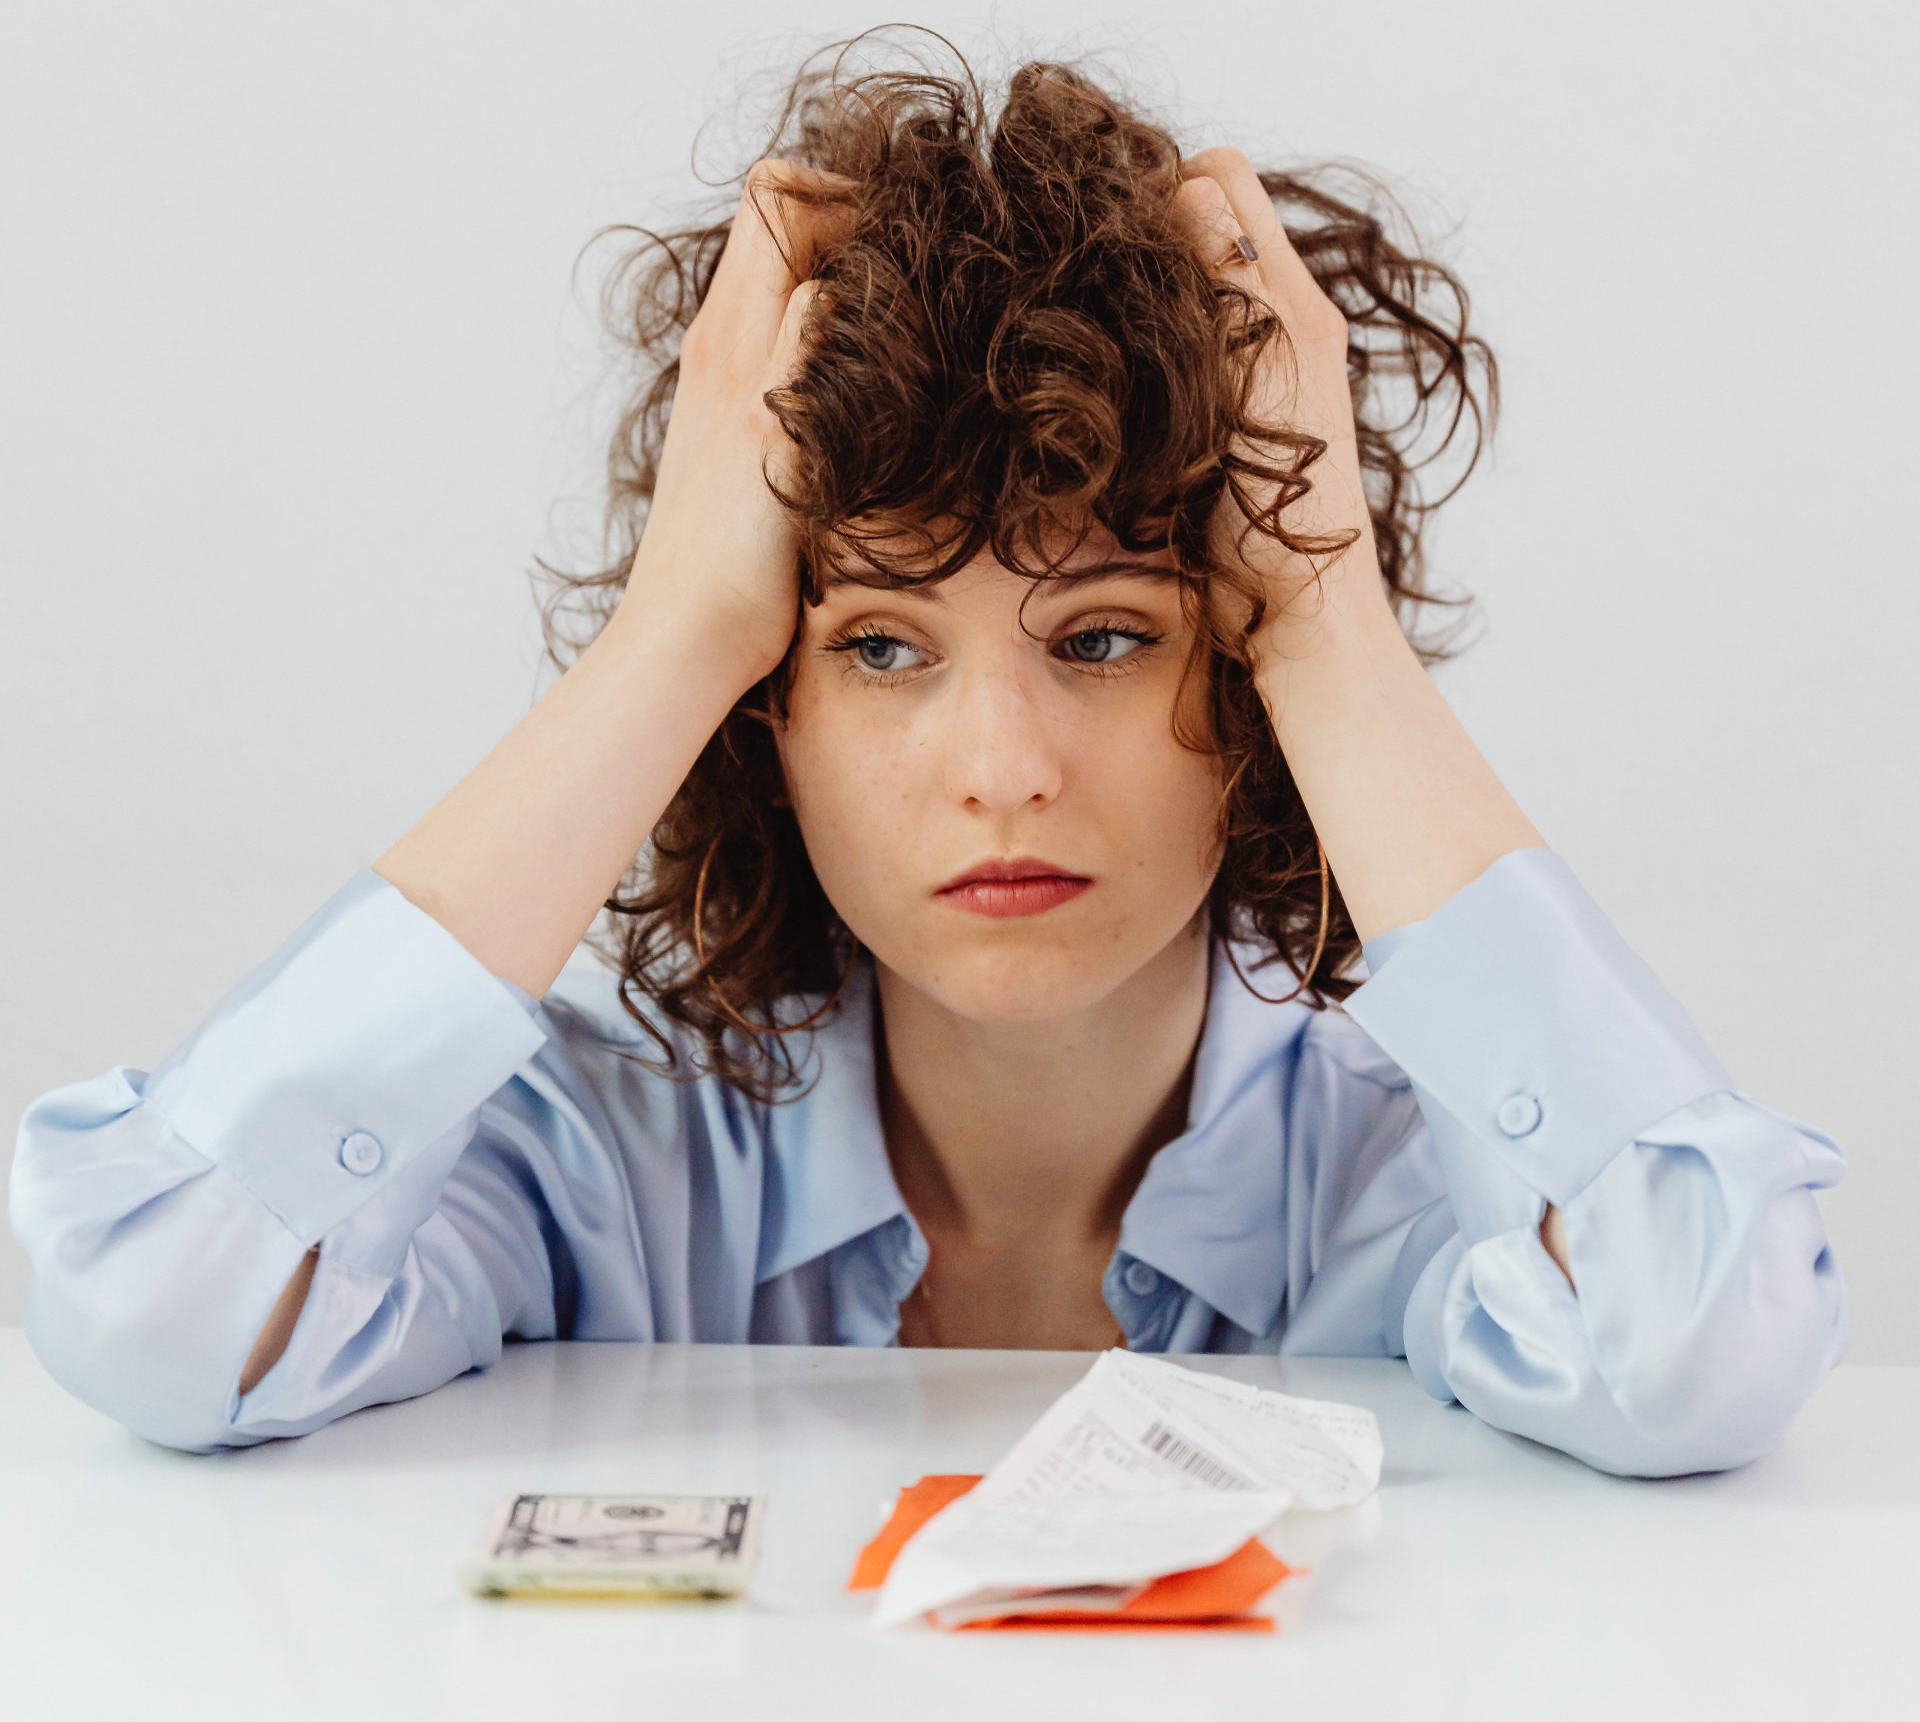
1096	635
1090	640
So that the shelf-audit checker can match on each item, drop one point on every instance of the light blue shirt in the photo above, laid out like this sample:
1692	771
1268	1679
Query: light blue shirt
1366	1181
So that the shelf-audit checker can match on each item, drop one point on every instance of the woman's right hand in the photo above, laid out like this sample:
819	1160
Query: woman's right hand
717	546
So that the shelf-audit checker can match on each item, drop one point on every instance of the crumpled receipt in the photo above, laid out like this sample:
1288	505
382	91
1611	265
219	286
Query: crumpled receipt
1141	1468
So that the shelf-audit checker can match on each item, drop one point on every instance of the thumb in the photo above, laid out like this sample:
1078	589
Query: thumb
796	323
783	365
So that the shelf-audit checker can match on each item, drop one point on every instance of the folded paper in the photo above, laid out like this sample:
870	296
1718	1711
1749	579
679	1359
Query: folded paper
1142	1472
1216	1597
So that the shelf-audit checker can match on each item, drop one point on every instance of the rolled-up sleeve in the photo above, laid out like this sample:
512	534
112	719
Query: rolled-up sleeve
324	1101
1550	1065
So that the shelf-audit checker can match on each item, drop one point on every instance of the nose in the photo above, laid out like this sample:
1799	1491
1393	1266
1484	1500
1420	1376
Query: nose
1003	741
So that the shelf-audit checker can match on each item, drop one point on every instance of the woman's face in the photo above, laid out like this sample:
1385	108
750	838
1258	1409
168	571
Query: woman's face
948	736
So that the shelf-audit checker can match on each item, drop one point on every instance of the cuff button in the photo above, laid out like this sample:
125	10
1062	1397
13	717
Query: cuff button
360	1153
1140	1279
1518	1114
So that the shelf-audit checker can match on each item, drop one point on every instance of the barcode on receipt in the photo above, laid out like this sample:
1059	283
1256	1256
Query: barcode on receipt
1158	1438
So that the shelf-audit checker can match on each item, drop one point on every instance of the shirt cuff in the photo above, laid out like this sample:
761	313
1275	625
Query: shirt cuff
328	1070
1519	1008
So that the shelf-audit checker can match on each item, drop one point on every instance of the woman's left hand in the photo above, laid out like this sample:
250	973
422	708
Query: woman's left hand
1403	802
1222	199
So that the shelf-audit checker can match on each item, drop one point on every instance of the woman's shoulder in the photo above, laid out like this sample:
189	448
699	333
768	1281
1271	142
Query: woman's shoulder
585	1006
600	1058
597	1010
1256	1010
1341	1044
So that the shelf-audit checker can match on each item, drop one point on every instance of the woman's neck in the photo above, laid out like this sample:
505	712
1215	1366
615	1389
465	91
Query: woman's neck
1027	1140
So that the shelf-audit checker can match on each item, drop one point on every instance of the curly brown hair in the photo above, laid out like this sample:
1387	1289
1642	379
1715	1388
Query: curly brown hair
1019	334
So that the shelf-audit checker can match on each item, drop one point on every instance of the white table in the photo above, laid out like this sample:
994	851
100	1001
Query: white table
1488	1577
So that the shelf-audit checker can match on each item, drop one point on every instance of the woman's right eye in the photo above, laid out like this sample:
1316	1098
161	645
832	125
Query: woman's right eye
864	653
884	642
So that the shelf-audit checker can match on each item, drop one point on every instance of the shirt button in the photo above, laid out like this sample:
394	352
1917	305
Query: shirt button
360	1153
1140	1279
1518	1114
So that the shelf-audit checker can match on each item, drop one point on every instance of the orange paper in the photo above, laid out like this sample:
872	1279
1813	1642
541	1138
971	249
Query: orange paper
1215	1597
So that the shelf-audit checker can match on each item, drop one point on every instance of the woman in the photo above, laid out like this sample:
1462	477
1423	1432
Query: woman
986	891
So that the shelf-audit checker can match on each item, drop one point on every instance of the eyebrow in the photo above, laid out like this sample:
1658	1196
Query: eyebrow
1066	582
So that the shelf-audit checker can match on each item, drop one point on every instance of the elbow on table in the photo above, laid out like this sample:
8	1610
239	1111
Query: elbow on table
124	1373
1638	1392
1720	1408
151	1271
1716	1439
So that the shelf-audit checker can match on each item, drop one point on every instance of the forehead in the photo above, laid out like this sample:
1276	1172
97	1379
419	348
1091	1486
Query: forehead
1097	558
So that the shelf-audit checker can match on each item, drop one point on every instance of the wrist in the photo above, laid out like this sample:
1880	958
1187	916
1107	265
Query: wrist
724	657
1335	626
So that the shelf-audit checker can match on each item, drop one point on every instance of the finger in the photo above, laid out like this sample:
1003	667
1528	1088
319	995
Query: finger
776	240
1292	284
792	332
783	365
1202	204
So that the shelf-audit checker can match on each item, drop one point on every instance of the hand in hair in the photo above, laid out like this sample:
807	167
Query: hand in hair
1298	387
1404	805
718	545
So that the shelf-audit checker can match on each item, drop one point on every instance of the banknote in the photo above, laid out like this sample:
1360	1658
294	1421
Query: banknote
639	1546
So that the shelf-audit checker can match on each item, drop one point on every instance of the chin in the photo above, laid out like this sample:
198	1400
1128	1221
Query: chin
1025	976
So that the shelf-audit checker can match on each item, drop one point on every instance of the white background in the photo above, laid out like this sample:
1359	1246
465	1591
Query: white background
296	385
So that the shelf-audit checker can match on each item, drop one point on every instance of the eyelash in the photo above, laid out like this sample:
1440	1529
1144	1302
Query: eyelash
849	641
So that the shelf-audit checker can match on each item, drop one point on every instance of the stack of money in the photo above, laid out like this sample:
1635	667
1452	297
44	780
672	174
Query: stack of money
639	1547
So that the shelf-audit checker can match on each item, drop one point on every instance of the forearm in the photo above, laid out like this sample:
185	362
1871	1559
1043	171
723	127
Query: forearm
521	854
1405	805
1524	1014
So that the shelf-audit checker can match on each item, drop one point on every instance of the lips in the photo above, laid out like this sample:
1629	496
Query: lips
1000	871
1002	899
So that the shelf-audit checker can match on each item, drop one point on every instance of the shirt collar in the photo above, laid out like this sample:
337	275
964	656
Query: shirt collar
829	1178
1210	1211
